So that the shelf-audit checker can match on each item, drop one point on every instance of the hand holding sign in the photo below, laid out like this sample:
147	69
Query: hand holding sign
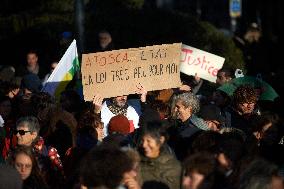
97	102
141	90
185	88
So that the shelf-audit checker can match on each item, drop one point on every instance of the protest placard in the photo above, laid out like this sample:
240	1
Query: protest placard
205	64
118	72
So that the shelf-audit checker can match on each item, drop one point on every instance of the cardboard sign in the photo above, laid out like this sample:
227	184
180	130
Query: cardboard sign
118	72
205	64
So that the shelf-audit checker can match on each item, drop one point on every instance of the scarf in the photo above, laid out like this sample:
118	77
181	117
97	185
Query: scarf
116	110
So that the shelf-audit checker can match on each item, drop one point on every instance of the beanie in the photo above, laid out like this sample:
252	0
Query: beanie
119	124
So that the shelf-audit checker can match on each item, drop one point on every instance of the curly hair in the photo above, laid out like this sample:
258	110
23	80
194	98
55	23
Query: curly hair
188	100
90	120
88	123
244	94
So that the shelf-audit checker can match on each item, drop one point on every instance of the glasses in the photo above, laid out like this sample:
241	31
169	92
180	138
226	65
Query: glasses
21	132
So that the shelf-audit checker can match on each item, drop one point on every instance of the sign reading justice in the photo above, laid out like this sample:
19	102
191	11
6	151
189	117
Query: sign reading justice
204	64
117	72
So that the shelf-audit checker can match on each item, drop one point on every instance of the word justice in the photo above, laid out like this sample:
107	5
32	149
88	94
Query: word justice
198	61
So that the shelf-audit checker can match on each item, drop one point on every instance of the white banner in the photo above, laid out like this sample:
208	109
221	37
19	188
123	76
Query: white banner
204	64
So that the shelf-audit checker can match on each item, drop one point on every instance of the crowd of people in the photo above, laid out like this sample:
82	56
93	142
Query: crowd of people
167	139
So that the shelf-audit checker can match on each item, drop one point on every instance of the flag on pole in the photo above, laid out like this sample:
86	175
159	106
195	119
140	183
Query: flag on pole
64	72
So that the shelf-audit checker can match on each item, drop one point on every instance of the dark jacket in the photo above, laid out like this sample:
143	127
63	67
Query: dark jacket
165	169
242	122
34	182
182	135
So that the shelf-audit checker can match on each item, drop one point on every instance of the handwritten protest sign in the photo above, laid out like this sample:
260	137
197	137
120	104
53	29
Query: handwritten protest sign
205	64
118	72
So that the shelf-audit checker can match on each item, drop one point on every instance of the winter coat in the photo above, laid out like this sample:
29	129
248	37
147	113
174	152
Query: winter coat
165	170
182	134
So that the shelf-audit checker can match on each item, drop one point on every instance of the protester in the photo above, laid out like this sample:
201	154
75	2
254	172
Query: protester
25	162
32	66
31	83
224	75
133	180
27	132
243	108
201	171
211	114
158	165
207	141
10	88
108	168
104	41
186	124
119	124
129	143
118	105
90	130
52	67
231	151
223	101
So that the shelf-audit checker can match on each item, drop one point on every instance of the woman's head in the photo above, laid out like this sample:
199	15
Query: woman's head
27	129
199	170
91	123
153	137
134	173
184	105
24	161
105	166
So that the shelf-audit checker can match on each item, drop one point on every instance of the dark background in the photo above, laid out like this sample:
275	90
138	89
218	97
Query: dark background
39	25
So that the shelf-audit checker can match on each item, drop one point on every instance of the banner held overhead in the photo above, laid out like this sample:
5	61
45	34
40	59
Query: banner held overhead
117	72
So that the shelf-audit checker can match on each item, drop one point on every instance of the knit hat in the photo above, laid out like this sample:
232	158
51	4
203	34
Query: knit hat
31	82
9	178
119	124
211	112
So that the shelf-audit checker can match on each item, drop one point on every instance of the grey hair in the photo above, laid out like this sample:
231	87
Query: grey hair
188	100
31	122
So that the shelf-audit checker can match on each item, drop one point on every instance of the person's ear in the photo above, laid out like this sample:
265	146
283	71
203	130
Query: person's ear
162	139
